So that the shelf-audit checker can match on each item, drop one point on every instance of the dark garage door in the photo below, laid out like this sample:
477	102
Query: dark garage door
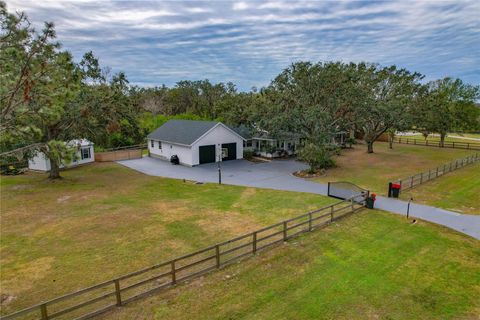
231	151
207	154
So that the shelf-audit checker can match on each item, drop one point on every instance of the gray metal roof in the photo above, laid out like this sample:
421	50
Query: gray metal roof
183	132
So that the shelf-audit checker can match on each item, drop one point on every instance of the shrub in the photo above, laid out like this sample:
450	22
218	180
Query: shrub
248	154
317	156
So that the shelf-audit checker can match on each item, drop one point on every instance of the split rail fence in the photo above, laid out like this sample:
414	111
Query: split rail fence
437	143
92	301
415	180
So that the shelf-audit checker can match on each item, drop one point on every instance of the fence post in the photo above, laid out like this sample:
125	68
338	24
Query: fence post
453	144
411	183
117	292
351	201
421	177
436	174
174	276
284	230
309	221
217	256
254	242
468	145
429	173
331	213
43	310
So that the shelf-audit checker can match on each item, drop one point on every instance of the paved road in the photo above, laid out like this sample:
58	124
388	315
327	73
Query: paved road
277	175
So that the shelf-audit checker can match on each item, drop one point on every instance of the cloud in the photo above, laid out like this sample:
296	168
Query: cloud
250	42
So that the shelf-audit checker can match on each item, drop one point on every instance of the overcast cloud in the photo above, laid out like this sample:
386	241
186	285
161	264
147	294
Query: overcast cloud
248	43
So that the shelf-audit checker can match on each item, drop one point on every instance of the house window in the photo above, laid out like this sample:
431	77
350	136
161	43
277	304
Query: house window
159	144
85	153
249	143
152	144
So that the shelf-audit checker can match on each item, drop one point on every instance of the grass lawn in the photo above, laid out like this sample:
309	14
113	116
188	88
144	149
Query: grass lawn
374	171
372	265
104	220
458	191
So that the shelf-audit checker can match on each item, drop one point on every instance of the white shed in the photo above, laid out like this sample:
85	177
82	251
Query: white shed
195	142
85	154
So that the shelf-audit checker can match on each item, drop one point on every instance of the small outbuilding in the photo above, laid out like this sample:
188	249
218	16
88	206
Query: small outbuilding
84	155
195	142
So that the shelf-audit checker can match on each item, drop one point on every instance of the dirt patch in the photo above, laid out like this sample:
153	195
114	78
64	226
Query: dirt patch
21	187
63	199
6	299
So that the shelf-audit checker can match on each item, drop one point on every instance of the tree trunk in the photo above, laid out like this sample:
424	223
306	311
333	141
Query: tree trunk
442	139
391	136
54	170
369	146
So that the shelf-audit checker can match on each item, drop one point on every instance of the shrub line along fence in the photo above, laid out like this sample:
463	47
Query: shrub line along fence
446	144
92	301
417	179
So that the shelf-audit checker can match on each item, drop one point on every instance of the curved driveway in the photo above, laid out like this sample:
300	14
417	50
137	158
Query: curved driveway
277	175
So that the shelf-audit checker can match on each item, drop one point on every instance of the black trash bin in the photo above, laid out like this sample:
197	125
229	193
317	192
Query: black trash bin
370	201
174	159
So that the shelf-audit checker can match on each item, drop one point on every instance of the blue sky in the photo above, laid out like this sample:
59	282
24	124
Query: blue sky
249	43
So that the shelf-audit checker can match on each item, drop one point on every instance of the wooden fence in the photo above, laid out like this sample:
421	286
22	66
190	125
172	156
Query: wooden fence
92	301
120	153
437	143
431	174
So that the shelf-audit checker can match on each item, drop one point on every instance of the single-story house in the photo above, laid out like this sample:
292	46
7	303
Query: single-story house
265	145
195	142
84	154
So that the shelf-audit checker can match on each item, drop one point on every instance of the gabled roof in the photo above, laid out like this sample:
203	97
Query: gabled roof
184	132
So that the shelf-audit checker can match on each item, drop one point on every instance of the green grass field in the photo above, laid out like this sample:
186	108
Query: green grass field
457	191
374	171
105	220
372	265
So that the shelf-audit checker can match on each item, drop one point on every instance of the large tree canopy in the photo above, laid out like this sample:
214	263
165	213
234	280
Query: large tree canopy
37	82
384	97
447	105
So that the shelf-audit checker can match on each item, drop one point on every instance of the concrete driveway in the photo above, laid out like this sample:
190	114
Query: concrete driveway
277	175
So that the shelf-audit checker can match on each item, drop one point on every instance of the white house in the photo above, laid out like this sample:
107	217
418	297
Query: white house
85	154
195	142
